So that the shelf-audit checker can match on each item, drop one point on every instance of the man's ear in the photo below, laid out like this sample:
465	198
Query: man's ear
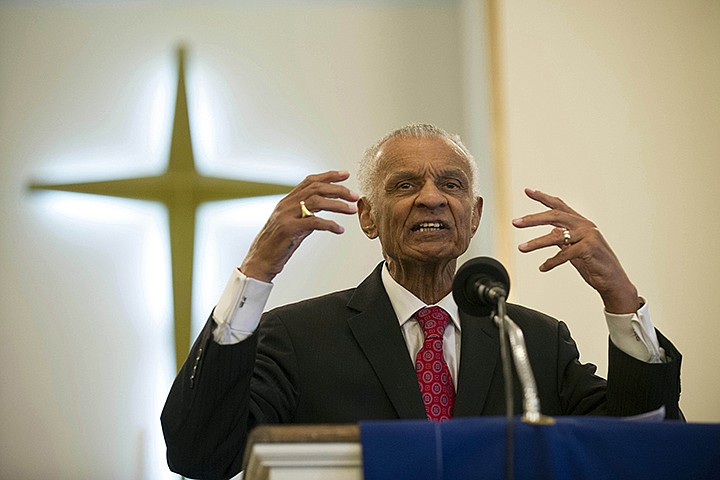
477	214
366	219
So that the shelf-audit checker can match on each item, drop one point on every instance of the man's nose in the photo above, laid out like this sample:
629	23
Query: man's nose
430	196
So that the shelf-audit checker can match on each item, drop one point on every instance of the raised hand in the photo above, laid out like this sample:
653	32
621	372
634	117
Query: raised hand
290	223
580	243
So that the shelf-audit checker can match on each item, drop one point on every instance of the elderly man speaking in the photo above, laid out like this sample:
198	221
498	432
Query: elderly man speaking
396	346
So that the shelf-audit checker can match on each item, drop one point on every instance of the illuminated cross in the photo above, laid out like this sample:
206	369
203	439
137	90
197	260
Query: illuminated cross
181	189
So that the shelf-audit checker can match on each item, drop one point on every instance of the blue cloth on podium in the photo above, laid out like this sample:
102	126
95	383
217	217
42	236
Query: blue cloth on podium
574	447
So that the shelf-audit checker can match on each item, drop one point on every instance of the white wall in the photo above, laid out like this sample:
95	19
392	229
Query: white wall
615	107
86	92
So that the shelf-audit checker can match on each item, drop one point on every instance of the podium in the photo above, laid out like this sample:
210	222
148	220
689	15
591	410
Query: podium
586	447
304	452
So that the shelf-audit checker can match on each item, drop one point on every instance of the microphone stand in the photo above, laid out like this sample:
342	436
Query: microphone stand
531	400
509	400
510	332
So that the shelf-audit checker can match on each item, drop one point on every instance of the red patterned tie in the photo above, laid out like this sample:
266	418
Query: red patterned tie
433	374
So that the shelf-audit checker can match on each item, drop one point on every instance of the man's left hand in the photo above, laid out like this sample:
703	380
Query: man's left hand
582	244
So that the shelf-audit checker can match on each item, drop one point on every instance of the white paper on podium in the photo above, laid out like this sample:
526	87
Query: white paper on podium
651	416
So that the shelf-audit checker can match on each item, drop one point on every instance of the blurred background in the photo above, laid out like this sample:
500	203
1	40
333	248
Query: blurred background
613	106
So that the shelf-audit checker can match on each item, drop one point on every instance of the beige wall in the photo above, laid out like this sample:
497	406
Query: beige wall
615	107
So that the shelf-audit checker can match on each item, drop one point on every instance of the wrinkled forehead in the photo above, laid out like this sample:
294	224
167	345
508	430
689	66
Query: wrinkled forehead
404	153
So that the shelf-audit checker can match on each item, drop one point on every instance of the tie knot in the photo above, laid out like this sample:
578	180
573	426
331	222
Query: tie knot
432	320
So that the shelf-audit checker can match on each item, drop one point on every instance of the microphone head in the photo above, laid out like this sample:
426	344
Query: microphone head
474	272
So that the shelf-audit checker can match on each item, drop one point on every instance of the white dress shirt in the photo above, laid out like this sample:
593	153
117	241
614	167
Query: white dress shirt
406	304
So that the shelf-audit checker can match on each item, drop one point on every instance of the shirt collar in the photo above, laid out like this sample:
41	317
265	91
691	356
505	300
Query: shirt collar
406	304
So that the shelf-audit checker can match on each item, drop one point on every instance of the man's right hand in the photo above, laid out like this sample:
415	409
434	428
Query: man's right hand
286	228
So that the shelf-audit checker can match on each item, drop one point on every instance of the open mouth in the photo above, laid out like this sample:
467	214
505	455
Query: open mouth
428	227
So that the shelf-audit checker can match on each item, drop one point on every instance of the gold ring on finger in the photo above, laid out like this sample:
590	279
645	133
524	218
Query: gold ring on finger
304	212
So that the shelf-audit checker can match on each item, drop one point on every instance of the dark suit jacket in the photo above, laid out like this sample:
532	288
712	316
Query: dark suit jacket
341	358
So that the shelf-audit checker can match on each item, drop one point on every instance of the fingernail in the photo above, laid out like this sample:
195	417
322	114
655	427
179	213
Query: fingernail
522	246
517	221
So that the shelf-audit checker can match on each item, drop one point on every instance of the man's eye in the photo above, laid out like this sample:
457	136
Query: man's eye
404	186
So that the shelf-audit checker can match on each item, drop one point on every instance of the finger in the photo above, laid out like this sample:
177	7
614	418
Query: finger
331	176
319	204
325	180
297	223
556	218
325	184
556	238
559	215
549	200
317	191
564	255
312	194
322	224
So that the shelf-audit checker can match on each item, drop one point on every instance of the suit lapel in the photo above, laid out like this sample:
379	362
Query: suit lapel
479	352
377	331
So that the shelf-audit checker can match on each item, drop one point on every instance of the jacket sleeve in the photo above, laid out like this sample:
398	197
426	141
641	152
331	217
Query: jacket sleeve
636	387
633	387
205	418
222	392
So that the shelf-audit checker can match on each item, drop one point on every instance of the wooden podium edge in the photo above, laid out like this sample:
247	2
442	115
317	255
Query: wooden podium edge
300	433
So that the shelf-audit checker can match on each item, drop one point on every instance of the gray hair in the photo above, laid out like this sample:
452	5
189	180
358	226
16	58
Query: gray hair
367	170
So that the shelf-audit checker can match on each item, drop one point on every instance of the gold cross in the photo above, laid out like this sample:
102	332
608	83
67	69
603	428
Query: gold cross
181	189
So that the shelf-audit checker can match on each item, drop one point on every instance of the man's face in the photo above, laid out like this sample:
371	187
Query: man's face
425	210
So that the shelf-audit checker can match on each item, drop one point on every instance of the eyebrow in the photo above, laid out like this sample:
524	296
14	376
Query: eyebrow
401	175
454	172
405	174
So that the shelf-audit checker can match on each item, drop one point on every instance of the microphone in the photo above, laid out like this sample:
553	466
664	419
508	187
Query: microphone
480	288
479	285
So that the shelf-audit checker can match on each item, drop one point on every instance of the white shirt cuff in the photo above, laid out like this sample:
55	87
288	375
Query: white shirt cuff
634	334
239	309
